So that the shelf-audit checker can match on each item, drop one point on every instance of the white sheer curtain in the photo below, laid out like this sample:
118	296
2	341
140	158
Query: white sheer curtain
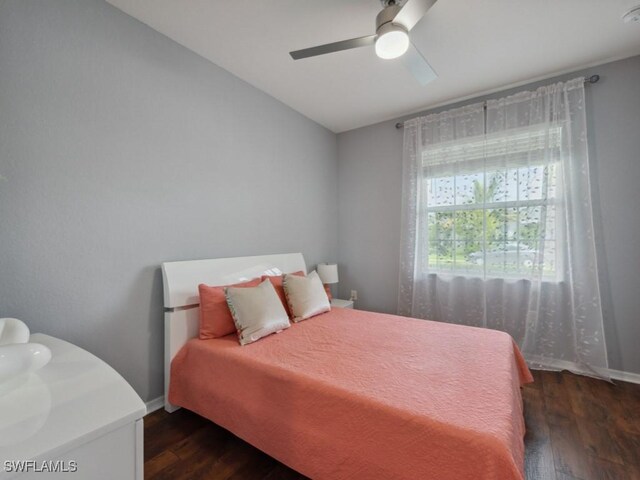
497	226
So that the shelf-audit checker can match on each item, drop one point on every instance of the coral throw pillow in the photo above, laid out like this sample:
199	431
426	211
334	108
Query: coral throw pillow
327	288
215	317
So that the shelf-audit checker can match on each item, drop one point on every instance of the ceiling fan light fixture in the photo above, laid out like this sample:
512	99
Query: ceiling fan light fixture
392	41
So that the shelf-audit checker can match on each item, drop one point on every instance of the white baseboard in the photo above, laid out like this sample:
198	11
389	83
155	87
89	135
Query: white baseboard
155	404
625	376
578	369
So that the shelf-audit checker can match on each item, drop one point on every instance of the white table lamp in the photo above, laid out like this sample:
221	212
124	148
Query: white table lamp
328	273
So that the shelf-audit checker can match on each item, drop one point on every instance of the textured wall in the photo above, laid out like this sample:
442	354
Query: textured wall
120	150
370	191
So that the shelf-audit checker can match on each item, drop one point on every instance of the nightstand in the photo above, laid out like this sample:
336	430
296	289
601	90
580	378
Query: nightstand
336	302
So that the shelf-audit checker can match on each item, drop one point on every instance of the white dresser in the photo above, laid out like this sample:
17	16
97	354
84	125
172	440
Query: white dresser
76	415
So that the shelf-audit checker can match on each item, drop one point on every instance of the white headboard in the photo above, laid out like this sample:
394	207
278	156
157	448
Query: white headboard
181	298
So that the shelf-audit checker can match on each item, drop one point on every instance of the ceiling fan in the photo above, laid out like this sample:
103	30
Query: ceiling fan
391	40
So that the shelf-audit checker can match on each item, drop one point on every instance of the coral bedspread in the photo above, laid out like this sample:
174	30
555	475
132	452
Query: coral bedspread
359	395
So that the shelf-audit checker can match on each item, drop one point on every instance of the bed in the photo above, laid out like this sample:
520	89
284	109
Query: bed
350	394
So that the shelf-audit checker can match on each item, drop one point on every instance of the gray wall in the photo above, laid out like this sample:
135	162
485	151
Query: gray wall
120	150
370	191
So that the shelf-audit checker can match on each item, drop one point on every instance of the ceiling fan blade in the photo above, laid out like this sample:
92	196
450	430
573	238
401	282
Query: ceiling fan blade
412	12
418	66
333	47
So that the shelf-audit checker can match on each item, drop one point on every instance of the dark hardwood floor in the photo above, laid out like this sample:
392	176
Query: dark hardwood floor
578	428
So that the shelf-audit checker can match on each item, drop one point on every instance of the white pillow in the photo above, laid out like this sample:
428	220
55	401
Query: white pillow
256	311
306	296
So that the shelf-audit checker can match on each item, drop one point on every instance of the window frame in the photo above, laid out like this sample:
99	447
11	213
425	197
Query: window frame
544	203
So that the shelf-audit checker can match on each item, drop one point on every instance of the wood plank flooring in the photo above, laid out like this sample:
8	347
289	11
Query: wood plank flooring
578	428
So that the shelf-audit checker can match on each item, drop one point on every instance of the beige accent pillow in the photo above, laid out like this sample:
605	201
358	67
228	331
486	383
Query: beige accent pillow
256	311
306	296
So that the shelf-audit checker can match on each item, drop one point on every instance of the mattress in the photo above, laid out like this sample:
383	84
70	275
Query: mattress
359	395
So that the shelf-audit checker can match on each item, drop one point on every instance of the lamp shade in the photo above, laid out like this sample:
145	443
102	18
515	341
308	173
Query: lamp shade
328	272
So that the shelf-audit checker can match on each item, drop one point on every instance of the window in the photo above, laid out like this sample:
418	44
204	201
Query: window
489	213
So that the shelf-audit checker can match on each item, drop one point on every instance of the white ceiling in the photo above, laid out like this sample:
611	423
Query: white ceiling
474	46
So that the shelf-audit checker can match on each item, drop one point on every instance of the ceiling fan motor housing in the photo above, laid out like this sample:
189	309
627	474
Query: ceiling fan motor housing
392	39
386	15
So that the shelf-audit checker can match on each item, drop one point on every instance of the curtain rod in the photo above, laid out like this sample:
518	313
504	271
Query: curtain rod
587	81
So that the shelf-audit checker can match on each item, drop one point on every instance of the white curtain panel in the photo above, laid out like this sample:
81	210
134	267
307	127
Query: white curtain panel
497	227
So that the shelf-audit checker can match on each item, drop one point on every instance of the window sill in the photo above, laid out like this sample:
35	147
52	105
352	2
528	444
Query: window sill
510	278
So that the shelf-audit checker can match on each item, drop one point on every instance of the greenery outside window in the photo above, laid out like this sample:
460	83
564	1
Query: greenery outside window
490	217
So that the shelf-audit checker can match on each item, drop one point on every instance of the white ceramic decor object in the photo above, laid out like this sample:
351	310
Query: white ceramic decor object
19	358
13	330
